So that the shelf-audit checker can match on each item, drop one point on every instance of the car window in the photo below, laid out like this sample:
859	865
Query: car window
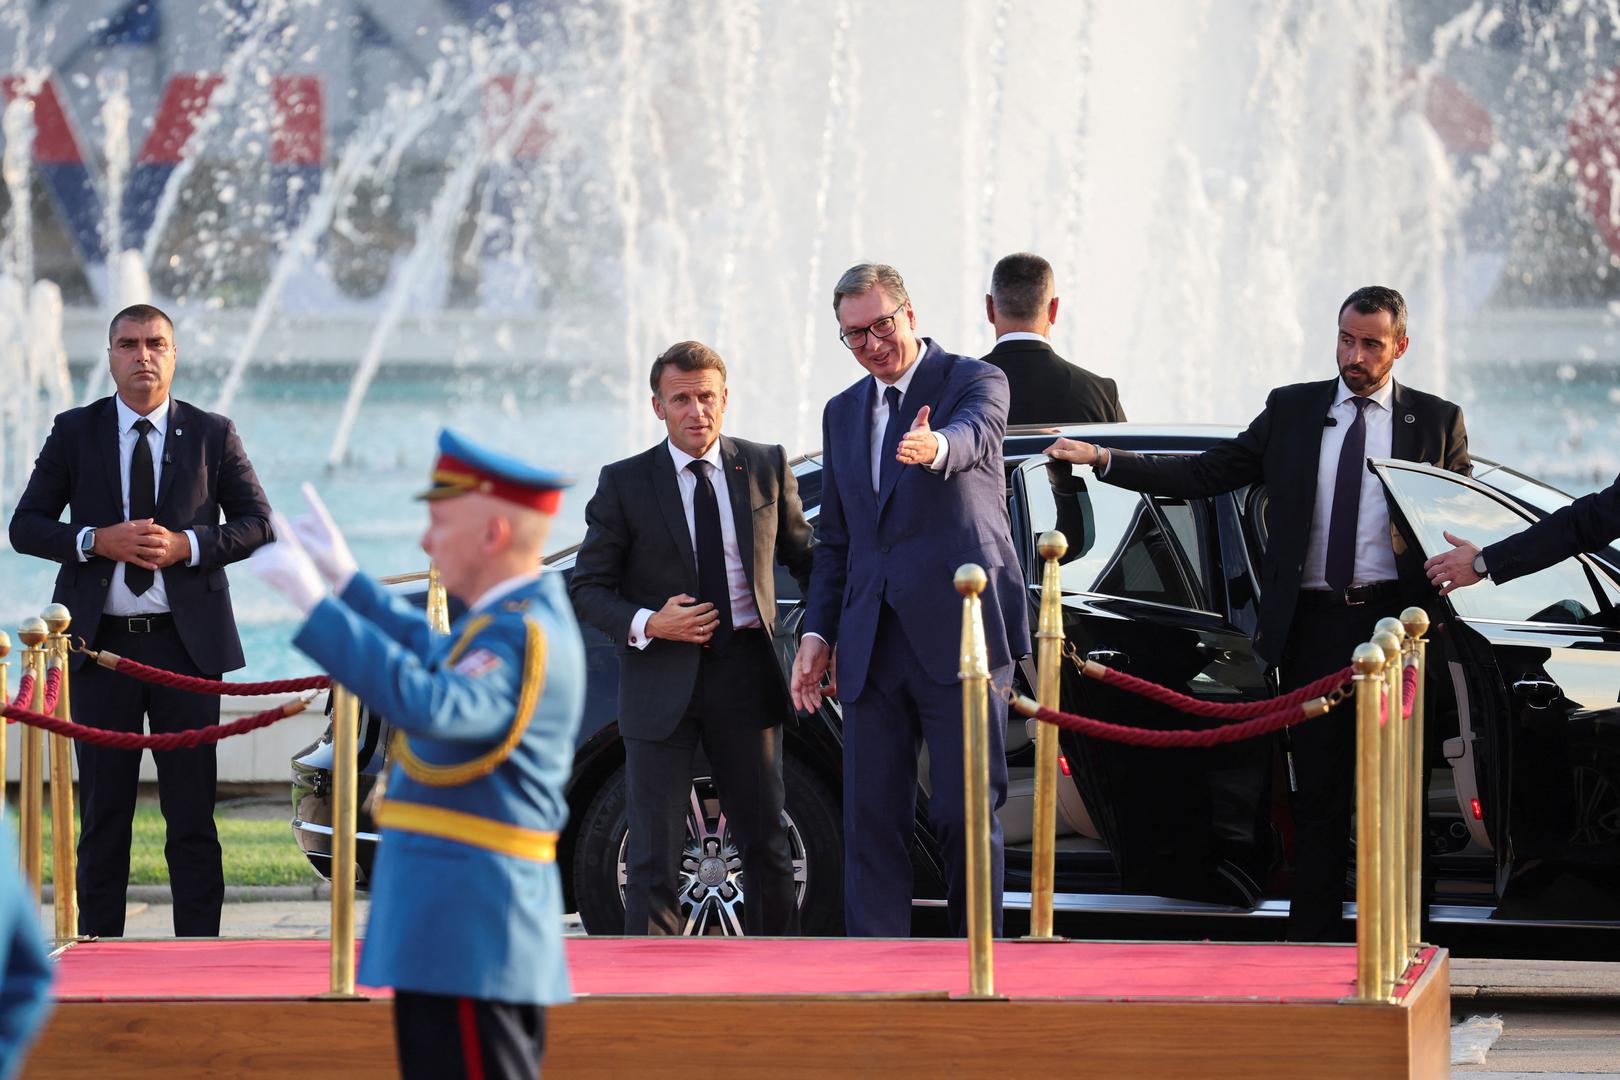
1564	593
1118	541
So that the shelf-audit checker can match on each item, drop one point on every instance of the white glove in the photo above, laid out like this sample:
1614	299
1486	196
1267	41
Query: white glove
319	535
287	568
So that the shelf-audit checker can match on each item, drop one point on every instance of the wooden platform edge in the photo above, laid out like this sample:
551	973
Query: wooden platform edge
806	1037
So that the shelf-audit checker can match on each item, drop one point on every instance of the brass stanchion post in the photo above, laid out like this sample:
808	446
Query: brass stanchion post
1416	622
1368	664
31	793
345	732
1049	637
5	697
64	856
975	676
1387	634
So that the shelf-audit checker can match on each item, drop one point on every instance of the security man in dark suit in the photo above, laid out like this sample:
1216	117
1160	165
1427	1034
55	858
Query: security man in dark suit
1022	305
676	568
146	479
1590	523
1334	563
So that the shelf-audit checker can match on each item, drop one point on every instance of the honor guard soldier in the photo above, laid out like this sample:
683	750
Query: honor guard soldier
466	901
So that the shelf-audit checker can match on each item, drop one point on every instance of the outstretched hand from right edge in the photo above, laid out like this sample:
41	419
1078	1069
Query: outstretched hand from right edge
1073	451
815	660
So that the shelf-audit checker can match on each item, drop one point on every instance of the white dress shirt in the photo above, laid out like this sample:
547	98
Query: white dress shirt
880	419
1023	335
155	600
1375	558
744	611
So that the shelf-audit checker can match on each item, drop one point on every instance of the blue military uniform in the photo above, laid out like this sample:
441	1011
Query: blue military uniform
466	898
25	975
466	901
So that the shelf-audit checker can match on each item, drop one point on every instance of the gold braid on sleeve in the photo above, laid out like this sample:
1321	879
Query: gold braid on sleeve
534	680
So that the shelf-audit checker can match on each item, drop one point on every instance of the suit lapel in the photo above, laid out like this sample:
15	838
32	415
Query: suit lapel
925	383
741	489
107	451
668	493
1406	434
177	443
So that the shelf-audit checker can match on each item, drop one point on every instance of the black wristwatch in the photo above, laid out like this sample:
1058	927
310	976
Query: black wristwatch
1479	565
87	543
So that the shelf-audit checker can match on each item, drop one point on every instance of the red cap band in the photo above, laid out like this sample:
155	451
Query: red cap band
453	476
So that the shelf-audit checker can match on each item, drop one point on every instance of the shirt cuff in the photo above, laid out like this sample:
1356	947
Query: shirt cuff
78	544
196	549
638	629
938	464
1106	463
818	637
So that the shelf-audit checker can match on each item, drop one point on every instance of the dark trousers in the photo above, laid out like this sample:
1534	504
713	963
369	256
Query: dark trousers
900	708
441	1038
108	780
736	714
1320	641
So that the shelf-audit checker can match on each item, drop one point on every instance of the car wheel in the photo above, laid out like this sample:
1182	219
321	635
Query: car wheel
711	891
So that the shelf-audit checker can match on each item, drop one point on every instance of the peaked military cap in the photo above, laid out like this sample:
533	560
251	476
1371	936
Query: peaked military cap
465	467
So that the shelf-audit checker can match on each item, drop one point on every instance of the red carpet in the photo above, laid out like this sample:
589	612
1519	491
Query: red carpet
1119	971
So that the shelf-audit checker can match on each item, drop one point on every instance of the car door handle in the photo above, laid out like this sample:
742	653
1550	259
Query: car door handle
1108	657
1537	693
1213	653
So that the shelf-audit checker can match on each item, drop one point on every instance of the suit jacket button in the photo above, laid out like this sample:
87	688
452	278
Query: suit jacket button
885	549
104	581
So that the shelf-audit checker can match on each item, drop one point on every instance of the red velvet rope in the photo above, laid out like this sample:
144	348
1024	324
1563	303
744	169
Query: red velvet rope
195	685
1408	696
53	688
25	690
1241	710
1135	736
178	740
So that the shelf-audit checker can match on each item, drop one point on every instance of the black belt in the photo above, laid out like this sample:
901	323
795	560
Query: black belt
1354	596
138	624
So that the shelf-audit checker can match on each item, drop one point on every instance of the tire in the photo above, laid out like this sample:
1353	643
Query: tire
814	829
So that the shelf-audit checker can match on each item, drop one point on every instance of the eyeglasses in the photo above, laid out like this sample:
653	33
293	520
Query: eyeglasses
854	339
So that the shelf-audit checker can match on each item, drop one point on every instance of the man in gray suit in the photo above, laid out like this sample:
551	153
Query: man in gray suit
676	568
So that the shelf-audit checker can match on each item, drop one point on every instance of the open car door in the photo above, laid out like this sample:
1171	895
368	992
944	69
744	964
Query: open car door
1535	667
1144	592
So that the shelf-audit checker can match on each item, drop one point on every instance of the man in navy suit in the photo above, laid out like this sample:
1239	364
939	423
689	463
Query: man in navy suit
913	486
145	479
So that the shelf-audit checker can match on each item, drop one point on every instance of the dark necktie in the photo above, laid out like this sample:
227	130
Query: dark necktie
888	466
713	585
142	498
1340	567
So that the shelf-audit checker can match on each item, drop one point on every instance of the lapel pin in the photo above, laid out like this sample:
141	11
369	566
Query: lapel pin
182	431
1410	419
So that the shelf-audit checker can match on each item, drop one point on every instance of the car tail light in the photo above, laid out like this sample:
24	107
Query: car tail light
1479	814
1063	767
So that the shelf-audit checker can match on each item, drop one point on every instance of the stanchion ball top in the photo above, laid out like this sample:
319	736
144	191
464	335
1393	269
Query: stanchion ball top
5	644
971	579
1368	659
1389	643
1052	545
1390	625
57	618
1416	621
32	631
